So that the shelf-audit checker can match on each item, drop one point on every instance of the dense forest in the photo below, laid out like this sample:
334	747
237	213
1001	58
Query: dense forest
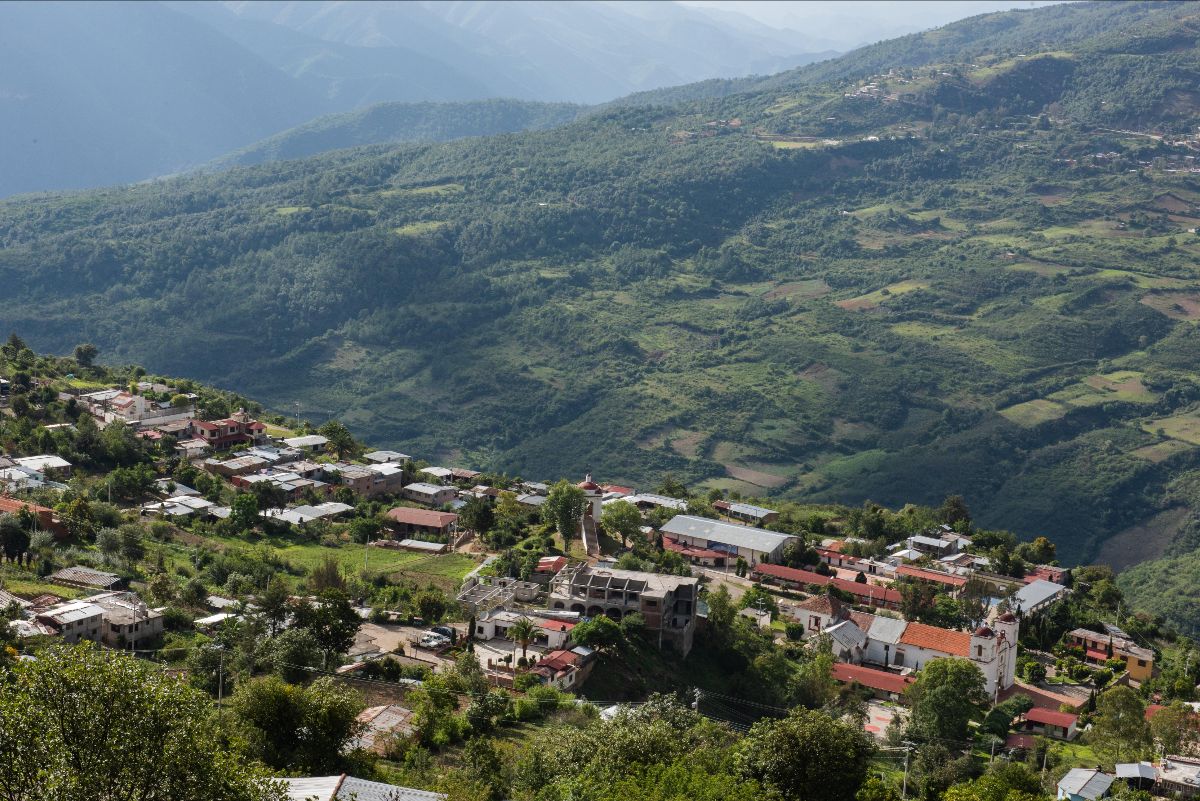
886	279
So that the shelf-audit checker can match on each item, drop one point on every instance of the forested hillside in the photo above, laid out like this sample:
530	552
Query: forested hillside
975	276
405	122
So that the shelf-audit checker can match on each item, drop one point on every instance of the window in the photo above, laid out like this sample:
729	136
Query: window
979	650
1141	663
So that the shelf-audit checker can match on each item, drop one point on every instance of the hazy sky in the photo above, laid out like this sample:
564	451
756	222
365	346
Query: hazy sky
854	22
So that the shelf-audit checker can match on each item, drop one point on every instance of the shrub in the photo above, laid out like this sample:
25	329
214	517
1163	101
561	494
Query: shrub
794	631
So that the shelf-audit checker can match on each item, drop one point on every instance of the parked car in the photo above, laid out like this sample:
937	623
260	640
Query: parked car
446	631
433	640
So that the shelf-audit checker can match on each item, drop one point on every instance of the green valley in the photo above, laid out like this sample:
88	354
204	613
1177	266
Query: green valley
968	270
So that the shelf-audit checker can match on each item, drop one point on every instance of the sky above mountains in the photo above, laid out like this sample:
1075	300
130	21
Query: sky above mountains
848	24
113	92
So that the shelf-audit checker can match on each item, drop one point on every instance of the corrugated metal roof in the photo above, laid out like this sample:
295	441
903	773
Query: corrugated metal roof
345	788
1035	594
719	531
1085	783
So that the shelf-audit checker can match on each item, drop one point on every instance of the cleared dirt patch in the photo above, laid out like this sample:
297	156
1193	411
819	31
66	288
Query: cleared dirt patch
799	289
1161	451
1041	267
1176	305
1185	427
824	376
872	299
1143	542
756	477
1031	413
687	443
1171	202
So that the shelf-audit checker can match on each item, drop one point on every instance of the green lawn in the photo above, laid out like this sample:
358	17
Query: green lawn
447	565
20	582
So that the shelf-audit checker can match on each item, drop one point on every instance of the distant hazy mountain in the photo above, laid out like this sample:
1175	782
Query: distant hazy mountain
584	52
385	123
101	93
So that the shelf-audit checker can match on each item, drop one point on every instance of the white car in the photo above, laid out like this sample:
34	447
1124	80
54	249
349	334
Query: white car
432	639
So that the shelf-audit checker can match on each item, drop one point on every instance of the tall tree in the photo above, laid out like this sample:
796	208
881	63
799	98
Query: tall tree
1119	730
293	728
339	437
80	724
946	695
1174	728
623	519
85	354
14	539
564	508
274	604
243	514
523	632
806	755
477	515
332	621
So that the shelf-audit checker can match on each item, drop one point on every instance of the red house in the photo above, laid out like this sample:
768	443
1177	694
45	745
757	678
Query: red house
236	429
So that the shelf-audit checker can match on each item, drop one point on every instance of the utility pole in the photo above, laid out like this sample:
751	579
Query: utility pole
904	786
220	682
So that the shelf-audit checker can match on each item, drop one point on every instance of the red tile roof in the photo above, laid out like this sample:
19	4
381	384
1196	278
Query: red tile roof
1051	718
1097	653
790	574
688	550
869	593
558	660
551	564
931	575
947	641
862	619
554	625
822	605
869	677
421	517
12	505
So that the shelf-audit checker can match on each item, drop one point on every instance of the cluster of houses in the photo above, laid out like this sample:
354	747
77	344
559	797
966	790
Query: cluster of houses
113	616
1172	776
24	473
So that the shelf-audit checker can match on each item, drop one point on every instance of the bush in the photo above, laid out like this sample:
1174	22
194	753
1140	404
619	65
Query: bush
794	631
1034	672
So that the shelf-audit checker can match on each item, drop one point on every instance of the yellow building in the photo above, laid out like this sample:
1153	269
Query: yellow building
1100	647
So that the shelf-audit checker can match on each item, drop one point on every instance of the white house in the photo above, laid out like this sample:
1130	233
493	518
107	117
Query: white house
552	634
312	443
75	621
430	494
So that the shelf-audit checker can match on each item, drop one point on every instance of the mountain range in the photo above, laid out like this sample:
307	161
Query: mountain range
963	262
109	92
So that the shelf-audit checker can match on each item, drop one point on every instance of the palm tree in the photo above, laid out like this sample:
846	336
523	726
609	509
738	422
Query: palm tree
523	631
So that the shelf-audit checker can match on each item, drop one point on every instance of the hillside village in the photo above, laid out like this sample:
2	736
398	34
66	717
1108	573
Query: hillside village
157	518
